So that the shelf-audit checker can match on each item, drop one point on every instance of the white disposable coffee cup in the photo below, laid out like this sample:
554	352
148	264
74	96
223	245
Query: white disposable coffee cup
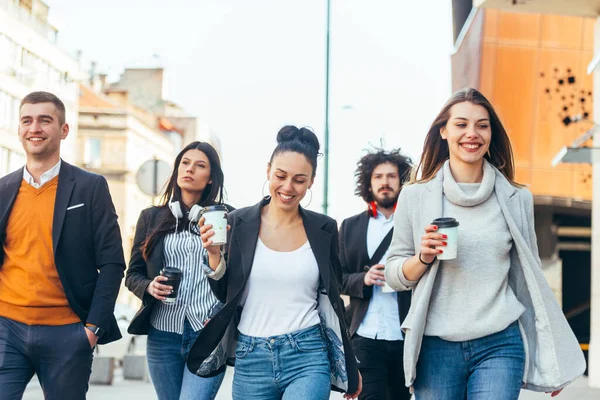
217	217
448	227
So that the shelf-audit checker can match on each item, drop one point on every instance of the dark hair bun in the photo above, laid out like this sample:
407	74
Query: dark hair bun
290	133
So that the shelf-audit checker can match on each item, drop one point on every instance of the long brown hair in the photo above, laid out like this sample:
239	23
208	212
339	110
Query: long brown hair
212	194
435	149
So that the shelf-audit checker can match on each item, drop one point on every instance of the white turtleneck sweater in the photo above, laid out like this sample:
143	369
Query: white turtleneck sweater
471	297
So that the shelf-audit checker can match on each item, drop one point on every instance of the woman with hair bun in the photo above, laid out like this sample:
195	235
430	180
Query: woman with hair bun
282	324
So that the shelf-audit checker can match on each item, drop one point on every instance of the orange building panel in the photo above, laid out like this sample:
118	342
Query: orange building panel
562	32
514	97
533	69
519	29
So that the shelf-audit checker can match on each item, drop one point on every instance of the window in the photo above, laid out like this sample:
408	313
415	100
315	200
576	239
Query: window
15	161
92	154
9	111
4	152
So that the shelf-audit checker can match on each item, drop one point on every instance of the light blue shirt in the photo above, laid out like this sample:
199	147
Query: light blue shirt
382	320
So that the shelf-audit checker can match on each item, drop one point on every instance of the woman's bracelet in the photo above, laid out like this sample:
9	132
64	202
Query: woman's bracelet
424	263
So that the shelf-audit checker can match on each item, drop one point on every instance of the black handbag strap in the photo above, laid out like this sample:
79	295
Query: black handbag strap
383	246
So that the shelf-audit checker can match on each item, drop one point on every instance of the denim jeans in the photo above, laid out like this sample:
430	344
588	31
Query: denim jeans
166	353
290	367
60	356
490	367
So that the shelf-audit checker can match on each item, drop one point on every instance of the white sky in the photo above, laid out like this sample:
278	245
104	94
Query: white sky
248	67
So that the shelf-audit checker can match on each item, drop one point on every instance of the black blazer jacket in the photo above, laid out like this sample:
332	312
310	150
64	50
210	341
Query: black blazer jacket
141	272
217	342
88	251
354	257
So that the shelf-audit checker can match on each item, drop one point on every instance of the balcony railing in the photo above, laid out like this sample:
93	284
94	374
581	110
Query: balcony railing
43	28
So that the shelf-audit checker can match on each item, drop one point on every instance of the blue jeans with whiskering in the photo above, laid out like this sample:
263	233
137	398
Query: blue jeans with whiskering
166	353
291	366
489	368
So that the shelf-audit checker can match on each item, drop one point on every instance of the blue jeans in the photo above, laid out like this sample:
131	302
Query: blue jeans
291	366
166	353
60	356
490	367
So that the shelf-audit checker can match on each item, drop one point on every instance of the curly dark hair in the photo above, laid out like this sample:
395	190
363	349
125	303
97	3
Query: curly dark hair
367	164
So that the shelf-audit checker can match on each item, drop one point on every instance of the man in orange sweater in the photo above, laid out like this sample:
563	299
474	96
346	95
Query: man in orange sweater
61	262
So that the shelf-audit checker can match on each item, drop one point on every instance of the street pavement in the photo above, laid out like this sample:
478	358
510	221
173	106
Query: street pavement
138	390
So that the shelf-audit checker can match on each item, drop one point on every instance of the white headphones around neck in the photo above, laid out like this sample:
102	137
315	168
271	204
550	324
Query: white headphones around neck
193	215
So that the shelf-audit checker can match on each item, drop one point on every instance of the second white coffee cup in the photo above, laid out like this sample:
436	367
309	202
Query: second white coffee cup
217	217
449	227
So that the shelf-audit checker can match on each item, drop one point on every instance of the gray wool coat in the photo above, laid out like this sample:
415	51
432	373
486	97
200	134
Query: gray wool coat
553	358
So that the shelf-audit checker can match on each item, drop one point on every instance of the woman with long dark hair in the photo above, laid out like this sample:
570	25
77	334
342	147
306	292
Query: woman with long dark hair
167	236
484	323
282	324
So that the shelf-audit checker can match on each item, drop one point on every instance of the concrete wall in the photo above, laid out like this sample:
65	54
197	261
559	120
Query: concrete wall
145	87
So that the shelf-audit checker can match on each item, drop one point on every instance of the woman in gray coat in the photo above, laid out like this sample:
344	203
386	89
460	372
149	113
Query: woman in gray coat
484	323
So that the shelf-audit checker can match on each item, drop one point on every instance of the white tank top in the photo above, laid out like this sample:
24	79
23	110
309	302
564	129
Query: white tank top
281	293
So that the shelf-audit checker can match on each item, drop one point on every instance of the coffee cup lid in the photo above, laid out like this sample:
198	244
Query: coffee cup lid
216	207
445	222
170	271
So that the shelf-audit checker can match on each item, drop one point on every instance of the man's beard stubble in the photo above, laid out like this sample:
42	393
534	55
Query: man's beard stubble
386	202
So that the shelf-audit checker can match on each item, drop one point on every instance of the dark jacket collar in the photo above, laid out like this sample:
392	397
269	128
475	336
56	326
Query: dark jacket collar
66	183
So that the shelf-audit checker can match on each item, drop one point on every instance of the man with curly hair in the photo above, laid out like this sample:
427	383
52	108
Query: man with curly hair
375	312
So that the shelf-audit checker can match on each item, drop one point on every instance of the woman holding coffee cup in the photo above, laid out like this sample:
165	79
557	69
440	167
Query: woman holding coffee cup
282	324
483	321
165	273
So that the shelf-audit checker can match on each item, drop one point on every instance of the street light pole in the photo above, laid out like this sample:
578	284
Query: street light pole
326	141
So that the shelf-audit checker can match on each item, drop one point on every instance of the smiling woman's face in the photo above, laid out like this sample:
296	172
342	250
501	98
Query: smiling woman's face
290	176
193	173
468	132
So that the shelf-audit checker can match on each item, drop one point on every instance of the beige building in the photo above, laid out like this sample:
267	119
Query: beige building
30	60
122	126
115	139
145	87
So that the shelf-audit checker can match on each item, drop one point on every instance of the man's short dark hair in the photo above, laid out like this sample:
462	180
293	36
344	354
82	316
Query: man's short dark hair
46	97
367	164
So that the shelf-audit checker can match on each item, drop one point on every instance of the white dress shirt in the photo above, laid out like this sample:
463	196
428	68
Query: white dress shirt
382	320
45	178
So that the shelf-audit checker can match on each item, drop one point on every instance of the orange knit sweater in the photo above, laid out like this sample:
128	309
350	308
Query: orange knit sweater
30	290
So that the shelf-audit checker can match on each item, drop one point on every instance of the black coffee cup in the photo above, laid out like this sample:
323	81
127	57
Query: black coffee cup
174	279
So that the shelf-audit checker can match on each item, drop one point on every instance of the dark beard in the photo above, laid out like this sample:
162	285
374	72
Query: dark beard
386	202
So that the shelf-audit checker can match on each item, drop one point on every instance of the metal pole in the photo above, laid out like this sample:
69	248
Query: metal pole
326	144
154	179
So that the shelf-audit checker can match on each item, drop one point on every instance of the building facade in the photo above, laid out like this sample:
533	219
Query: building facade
30	60
121	127
145	88
115	139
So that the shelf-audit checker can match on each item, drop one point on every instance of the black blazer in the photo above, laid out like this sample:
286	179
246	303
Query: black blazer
220	334
88	251
140	271
354	257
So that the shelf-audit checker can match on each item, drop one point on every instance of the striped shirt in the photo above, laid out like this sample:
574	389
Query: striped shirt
195	300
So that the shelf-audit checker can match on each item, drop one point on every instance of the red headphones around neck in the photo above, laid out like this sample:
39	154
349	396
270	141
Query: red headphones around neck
373	209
